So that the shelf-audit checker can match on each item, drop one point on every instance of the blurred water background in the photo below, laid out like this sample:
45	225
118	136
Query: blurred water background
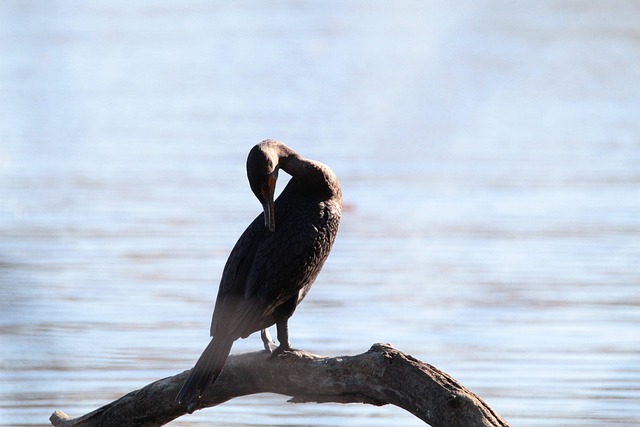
489	154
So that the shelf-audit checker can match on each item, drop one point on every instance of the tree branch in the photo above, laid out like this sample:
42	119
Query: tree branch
382	375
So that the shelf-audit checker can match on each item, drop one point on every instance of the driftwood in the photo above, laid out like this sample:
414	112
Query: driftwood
381	376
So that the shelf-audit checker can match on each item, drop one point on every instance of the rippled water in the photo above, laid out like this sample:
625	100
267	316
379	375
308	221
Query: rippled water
489	154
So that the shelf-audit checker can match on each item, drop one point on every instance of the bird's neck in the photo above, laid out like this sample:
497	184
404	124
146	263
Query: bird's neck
313	176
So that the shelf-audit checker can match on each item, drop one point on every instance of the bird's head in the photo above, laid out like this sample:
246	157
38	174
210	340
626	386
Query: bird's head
262	171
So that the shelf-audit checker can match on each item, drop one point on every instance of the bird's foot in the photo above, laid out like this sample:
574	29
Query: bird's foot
281	350
267	342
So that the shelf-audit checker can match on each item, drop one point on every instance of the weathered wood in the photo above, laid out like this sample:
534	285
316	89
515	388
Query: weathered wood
382	375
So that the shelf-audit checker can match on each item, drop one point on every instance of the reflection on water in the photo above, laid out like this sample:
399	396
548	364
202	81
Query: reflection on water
489	157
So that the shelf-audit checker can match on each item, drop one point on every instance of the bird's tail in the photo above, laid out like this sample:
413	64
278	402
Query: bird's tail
206	370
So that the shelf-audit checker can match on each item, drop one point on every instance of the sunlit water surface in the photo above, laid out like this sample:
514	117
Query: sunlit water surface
489	154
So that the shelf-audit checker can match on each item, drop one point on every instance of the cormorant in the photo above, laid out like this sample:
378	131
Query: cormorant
276	260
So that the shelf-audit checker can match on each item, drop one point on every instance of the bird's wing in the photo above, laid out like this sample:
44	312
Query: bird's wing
283	268
280	268
271	273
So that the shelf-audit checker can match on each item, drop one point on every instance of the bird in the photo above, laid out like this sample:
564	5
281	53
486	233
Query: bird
276	259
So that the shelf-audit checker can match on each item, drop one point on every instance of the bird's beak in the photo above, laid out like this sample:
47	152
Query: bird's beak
268	206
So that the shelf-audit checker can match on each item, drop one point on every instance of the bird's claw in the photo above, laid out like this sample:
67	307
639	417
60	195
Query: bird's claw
281	351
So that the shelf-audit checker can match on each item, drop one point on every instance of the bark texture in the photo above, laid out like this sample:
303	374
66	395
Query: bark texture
382	375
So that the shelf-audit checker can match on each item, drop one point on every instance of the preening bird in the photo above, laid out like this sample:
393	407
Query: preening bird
275	261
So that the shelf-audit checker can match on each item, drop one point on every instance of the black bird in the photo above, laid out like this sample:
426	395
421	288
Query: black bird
275	261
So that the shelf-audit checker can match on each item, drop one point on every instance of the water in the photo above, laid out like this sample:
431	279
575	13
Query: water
489	154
